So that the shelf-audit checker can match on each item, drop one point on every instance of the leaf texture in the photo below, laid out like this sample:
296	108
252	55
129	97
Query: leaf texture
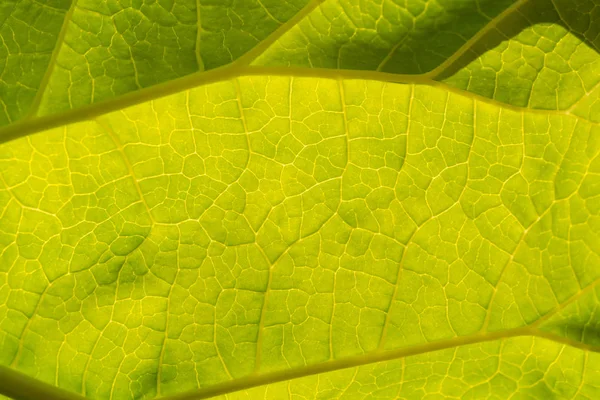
349	200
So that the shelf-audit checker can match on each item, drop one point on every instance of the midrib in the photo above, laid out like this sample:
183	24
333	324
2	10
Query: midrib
23	387
370	358
241	64
31	126
241	67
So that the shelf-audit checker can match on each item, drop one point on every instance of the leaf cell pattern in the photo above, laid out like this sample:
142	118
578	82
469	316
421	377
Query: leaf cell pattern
317	199
271	223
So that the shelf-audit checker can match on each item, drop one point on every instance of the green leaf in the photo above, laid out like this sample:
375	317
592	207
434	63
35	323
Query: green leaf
527	367
550	61
108	48
360	199
408	37
29	32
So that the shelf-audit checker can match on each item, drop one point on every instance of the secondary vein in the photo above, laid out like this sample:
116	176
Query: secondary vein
35	105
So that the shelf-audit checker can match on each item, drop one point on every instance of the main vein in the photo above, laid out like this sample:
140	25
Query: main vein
23	387
31	126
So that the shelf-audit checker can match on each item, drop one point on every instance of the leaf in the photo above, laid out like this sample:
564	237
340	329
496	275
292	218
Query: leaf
403	37
25	57
349	209
73	53
527	367
550	62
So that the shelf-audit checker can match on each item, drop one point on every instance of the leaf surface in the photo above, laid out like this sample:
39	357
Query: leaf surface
325	217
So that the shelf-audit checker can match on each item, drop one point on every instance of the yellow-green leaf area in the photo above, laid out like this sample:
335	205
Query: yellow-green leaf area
518	367
299	199
262	228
